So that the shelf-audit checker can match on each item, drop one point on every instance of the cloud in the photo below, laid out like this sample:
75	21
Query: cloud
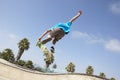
77	34
12	36
110	45
89	38
8	40
113	45
5	35
115	7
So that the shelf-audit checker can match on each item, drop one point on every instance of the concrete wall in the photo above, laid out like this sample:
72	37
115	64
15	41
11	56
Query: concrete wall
9	71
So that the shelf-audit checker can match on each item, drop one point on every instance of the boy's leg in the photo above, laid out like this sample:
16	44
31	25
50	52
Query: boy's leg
54	41
50	36
47	40
60	34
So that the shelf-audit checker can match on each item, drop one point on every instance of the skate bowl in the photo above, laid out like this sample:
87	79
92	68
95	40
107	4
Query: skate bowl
9	71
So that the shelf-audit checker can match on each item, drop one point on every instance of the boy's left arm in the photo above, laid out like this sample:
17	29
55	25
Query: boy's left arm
47	31
75	17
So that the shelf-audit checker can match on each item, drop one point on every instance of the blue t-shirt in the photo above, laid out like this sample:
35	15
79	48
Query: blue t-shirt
64	26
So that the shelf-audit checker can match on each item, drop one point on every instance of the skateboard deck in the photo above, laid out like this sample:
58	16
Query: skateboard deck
49	55
43	48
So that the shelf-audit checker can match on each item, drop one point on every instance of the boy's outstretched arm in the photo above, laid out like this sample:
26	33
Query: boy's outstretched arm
47	31
76	16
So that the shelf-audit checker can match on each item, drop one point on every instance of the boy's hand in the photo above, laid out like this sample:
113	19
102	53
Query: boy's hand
80	12
39	39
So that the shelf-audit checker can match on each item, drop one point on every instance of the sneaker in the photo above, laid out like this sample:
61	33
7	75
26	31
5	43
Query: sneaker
52	49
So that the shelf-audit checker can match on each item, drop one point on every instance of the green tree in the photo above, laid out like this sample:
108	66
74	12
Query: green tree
49	60
112	78
89	70
8	55
54	66
38	69
102	75
21	62
70	67
0	53
22	45
29	64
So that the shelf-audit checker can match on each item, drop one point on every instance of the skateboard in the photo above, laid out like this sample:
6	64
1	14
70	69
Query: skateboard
44	49
49	55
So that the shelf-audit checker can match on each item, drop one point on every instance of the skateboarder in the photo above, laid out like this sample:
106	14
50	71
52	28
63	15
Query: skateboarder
58	31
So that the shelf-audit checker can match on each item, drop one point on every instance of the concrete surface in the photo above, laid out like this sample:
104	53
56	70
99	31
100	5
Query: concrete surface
9	71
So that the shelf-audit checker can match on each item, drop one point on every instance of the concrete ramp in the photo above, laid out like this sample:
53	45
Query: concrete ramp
9	71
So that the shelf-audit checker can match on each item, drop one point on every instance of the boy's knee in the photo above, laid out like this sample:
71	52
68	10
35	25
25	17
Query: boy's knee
54	41
46	40
49	36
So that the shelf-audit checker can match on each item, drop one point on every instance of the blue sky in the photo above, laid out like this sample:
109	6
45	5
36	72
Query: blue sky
94	38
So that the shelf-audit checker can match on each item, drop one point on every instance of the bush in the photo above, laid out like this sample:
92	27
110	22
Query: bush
112	78
21	62
8	55
29	64
70	67
89	70
102	75
38	69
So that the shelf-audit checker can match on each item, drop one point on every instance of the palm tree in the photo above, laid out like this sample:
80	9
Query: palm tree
22	45
89	70
70	67
102	75
49	60
8	55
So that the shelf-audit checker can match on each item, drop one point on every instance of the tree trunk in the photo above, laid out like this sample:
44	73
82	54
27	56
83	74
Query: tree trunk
20	52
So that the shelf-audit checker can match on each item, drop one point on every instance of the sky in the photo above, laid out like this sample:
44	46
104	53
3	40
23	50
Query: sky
94	38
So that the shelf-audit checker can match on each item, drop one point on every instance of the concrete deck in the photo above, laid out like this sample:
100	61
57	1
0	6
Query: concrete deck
9	71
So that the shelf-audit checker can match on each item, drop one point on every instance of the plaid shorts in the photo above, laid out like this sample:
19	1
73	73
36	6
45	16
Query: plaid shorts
57	34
